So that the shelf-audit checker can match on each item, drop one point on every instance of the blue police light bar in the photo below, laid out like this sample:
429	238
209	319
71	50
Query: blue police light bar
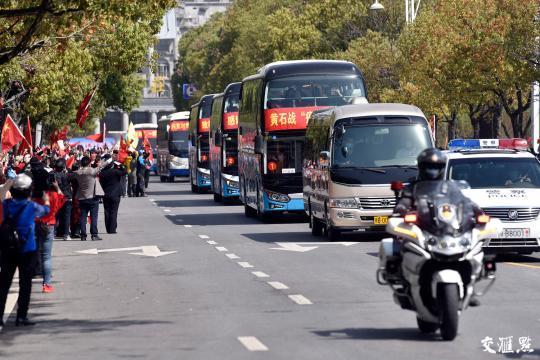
476	144
464	144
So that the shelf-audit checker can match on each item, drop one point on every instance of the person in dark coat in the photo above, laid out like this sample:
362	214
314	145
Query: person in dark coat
111	181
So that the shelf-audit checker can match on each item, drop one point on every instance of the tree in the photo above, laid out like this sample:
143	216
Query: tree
101	43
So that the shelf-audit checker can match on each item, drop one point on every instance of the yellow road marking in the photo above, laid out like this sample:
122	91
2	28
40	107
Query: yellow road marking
523	265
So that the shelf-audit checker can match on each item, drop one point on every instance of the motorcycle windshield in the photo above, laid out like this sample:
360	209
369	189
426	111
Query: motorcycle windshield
442	208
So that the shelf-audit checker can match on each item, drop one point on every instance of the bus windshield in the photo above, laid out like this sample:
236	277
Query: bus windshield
231	103
315	90
284	154
205	111
178	143
204	151
382	145
230	150
488	173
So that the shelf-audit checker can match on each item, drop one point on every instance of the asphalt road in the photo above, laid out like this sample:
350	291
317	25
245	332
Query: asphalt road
229	293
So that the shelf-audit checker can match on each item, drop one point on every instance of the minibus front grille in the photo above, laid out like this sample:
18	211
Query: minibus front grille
377	203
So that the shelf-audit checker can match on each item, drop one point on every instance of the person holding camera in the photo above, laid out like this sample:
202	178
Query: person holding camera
110	178
88	196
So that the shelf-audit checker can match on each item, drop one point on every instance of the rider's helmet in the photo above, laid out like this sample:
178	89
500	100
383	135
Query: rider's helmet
431	164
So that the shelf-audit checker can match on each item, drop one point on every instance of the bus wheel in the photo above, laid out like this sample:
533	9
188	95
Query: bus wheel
316	225
249	211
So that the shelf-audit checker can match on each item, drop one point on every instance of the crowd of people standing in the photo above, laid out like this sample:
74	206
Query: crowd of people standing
55	193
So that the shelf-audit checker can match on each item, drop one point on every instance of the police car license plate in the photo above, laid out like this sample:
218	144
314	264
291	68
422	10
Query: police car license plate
380	220
515	233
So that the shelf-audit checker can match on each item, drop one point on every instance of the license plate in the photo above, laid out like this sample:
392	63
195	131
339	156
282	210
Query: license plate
380	220
514	233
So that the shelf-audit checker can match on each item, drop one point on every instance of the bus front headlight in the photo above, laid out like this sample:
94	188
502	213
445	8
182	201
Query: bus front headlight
347	203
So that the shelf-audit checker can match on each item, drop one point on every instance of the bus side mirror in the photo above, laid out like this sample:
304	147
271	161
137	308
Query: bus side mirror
324	157
218	139
259	144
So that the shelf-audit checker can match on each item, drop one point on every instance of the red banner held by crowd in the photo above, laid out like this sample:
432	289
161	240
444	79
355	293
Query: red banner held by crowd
230	121
288	118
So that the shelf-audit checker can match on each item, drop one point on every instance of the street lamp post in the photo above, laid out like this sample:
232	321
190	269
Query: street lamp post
411	9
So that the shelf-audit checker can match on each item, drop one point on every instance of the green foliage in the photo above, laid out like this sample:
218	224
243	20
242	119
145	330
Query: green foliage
86	43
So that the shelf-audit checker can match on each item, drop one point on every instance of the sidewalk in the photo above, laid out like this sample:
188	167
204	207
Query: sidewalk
92	297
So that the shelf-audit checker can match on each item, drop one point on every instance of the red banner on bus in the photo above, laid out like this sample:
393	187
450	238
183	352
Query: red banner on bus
230	121
204	125
288	118
150	134
178	125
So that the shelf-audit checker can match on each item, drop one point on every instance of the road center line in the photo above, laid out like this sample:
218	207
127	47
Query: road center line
277	285
204	236
167	210
211	242
252	343
523	265
260	274
300	299
188	226
232	256
245	264
221	249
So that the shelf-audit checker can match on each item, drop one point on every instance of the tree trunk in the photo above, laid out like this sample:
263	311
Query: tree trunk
452	125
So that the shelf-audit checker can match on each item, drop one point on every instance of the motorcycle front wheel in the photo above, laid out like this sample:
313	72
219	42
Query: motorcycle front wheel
448	301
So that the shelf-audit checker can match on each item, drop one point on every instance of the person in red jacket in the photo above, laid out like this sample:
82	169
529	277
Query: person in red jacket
45	228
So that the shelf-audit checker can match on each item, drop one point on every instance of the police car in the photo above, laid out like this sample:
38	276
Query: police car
504	181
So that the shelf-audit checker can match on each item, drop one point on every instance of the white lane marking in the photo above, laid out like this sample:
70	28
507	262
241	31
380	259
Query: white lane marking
152	200
245	264
221	249
204	236
211	242
13	296
232	256
188	226
252	343
277	285
167	210
300	299
260	274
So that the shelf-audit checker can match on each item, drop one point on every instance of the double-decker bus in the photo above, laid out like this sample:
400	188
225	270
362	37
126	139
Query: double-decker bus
199	147
275	105
224	144
150	131
172	140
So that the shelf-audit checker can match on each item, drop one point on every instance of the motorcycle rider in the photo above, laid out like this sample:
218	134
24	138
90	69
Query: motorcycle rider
431	165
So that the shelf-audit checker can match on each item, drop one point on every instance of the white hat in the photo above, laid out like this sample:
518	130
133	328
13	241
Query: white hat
22	182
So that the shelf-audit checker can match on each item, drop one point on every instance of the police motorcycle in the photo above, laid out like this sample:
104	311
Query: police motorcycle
434	261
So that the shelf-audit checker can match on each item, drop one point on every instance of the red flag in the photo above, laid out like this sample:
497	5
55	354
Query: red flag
98	137
11	135
84	106
147	147
70	162
27	143
122	151
62	135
